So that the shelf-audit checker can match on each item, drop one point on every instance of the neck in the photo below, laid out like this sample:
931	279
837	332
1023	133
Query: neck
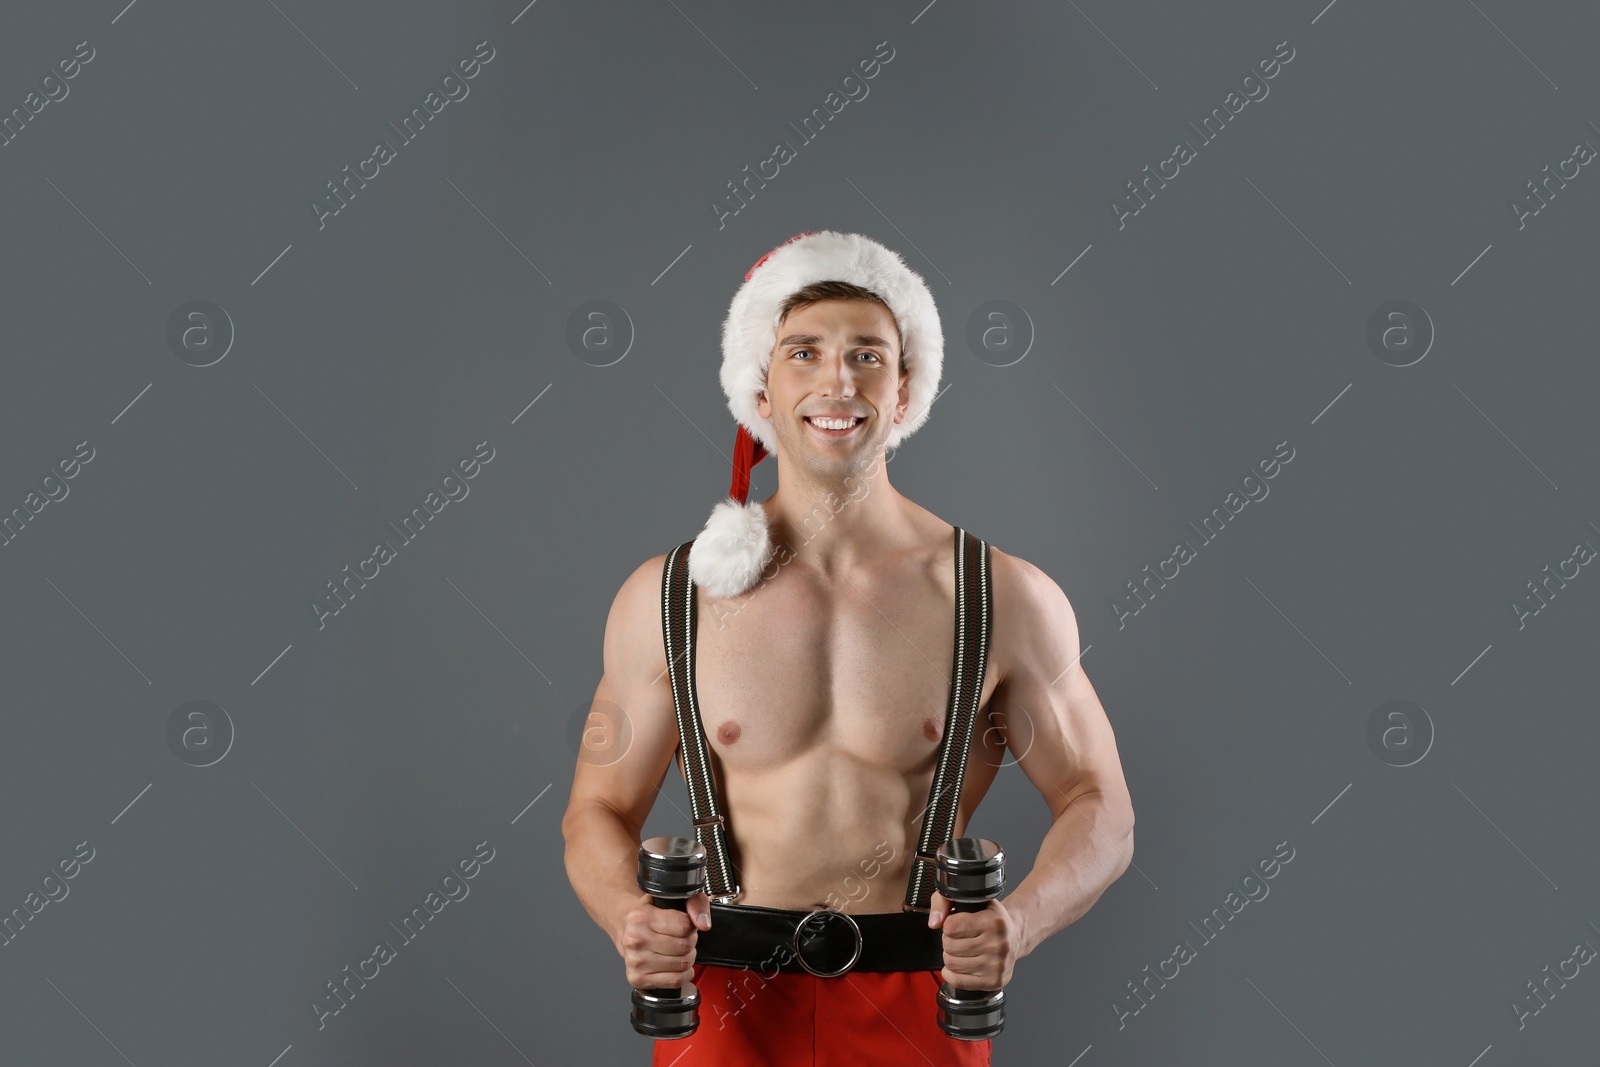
835	523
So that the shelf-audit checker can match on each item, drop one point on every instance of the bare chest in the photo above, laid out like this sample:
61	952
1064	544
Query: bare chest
860	668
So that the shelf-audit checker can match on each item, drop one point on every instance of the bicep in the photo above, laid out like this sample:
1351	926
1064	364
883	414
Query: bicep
631	730
1055	724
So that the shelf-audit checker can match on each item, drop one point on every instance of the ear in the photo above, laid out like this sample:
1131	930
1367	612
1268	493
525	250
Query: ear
763	405
903	399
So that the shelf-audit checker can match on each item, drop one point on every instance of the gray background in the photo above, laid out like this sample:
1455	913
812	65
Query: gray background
1227	316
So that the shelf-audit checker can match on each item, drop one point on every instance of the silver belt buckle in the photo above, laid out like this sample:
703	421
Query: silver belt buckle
828	913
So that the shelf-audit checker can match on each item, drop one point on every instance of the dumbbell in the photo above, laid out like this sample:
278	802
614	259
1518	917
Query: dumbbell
671	870
971	872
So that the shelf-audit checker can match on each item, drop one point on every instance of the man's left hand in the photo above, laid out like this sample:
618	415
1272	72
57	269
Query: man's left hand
980	947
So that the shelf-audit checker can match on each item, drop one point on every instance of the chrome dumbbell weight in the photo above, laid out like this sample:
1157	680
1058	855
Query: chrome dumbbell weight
671	870
971	872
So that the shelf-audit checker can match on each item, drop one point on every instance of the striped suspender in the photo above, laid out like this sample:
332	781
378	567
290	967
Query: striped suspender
974	605
678	616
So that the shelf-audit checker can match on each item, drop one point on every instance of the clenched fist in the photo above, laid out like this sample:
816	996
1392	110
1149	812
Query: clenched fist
657	944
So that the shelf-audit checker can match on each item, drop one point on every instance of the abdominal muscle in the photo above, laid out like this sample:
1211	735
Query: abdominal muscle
830	829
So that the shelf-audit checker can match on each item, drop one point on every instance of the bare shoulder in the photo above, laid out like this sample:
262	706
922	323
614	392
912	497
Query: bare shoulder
631	731
1034	623
635	618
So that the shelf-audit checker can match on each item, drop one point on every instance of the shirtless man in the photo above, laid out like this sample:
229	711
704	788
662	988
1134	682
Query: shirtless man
823	691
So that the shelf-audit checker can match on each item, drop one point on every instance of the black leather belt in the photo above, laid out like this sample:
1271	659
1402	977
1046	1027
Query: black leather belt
821	941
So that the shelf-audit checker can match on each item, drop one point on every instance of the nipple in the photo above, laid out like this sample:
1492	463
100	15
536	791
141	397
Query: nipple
930	729
728	732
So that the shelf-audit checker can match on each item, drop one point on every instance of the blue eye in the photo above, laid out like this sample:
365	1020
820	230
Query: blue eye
863	352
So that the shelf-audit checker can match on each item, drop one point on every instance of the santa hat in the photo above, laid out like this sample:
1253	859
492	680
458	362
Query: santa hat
729	554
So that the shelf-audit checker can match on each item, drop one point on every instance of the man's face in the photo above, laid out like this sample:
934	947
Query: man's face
835	358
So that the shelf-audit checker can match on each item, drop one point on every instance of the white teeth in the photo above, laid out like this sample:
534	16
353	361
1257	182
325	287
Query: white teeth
832	424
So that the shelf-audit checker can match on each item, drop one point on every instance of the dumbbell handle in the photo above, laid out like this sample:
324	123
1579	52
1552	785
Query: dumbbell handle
676	904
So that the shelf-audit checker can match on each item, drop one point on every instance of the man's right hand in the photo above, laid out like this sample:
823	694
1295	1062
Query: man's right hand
657	944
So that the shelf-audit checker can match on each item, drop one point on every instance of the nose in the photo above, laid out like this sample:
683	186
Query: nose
838	380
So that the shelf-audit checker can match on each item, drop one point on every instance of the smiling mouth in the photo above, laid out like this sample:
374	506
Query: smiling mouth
837	427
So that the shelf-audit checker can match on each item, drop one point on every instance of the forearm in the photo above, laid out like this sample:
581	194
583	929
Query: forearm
602	865
1086	849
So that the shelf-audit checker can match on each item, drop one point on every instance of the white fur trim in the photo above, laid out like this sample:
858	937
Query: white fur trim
750	329
728	556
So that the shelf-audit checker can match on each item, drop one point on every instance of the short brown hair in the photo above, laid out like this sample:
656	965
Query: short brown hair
817	292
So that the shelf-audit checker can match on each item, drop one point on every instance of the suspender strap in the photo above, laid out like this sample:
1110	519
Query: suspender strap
974	606
974	609
678	615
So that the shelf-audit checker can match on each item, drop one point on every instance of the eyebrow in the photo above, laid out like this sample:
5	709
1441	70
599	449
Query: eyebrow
813	339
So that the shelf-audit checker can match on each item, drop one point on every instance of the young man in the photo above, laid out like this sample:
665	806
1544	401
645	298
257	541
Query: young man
811	674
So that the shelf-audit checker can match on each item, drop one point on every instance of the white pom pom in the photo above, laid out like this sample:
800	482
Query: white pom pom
730	553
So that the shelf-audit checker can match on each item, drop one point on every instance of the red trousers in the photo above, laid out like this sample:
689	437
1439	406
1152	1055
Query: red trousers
751	1019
